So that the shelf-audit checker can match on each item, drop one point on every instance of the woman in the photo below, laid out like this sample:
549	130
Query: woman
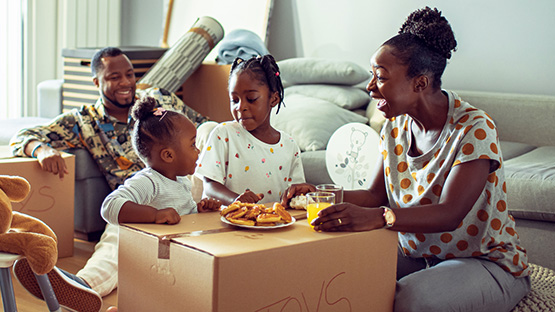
440	183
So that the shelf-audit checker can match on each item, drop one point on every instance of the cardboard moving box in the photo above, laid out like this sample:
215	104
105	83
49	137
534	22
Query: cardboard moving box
202	264
206	91
50	200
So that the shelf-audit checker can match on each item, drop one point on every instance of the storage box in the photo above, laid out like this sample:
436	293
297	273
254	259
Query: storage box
50	200
78	88
206	91
202	264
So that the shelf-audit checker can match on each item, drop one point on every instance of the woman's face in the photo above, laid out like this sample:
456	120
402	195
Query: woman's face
390	85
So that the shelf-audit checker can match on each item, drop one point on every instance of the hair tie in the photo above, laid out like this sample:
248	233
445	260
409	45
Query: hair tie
160	111
277	74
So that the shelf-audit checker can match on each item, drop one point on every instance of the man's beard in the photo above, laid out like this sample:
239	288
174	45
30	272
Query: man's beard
116	102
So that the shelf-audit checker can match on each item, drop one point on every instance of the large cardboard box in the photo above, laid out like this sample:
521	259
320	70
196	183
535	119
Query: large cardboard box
206	91
202	264
50	200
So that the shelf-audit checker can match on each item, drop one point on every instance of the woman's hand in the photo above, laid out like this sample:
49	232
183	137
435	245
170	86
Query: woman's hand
295	190
208	204
249	197
348	217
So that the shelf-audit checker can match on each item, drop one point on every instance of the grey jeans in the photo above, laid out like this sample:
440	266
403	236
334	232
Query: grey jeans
463	284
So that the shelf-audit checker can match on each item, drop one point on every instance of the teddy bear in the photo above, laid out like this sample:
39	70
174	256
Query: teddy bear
23	234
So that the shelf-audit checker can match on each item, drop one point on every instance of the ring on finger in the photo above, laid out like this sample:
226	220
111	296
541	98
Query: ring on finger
339	220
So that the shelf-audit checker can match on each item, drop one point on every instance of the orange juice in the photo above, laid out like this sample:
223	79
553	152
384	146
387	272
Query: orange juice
312	210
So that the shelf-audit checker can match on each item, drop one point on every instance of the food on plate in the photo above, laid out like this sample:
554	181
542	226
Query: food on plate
280	210
256	214
299	202
242	221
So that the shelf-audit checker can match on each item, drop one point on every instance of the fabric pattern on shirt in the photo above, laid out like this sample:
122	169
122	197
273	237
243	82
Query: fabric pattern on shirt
104	137
149	187
488	230
235	158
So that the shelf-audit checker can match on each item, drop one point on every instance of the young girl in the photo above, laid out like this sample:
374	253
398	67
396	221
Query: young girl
159	193
247	159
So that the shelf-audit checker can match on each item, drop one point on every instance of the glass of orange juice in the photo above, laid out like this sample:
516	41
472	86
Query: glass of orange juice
316	202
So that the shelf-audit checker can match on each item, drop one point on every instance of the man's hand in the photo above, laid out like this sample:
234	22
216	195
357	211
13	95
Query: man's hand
50	159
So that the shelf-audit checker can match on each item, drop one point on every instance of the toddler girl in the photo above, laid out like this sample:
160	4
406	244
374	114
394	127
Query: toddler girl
247	159
161	192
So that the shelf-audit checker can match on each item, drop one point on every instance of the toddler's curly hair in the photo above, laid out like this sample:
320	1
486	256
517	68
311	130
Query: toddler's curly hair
153	125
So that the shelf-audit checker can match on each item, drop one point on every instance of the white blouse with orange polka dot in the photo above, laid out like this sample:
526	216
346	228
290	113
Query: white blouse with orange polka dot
488	230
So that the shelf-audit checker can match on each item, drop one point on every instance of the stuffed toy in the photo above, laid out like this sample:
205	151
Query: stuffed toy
23	234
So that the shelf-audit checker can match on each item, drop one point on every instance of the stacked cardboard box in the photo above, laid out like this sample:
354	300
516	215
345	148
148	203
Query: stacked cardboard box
50	200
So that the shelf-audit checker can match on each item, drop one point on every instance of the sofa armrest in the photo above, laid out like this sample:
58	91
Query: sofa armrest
49	98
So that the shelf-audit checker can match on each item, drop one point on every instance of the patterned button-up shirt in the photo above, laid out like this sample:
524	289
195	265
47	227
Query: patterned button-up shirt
107	139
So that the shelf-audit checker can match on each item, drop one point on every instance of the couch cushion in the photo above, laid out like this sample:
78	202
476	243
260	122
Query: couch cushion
85	166
314	165
308	70
343	96
531	184
514	149
311	121
521	118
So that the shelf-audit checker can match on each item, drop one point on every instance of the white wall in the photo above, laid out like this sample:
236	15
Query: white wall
503	45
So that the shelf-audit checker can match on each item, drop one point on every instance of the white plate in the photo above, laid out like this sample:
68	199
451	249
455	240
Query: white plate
224	220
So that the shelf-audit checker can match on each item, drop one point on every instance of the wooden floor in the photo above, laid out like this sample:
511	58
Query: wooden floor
82	251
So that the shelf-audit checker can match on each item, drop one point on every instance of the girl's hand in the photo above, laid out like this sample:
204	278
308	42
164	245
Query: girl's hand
208	204
249	197
348	217
295	190
167	215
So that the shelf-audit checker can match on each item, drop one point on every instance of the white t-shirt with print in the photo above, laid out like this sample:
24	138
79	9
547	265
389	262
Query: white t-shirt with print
488	230
235	158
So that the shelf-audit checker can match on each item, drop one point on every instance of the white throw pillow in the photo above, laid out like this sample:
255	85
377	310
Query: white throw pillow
319	70
344	96
311	121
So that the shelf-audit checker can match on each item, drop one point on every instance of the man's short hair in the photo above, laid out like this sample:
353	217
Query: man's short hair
96	61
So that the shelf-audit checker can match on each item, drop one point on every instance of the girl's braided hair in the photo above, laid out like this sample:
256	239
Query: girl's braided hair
264	69
424	43
153	125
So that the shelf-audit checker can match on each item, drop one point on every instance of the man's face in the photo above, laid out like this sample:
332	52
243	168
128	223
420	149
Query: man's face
116	82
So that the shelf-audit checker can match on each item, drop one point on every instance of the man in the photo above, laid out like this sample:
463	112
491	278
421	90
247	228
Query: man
104	129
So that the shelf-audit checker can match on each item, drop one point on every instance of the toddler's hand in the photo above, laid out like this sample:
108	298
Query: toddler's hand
167	215
294	190
208	204
249	197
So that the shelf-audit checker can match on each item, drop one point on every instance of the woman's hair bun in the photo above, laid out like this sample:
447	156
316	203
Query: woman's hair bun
143	108
433	29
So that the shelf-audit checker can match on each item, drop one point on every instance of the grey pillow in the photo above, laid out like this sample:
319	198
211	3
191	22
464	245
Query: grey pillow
311	121
319	70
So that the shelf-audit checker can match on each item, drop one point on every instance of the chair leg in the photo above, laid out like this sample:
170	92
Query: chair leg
48	293
8	296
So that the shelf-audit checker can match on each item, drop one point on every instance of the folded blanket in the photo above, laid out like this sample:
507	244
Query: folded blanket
240	43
